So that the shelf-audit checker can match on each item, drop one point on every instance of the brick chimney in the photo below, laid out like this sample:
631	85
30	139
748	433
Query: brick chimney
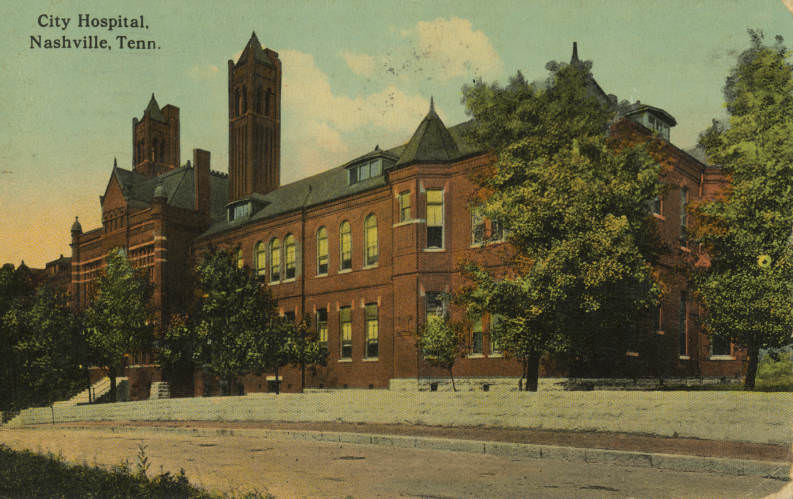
201	179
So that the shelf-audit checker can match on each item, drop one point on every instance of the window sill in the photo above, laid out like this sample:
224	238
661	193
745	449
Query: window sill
475	356
659	217
660	332
434	250
370	359
321	275
344	361
496	356
685	357
273	283
721	357
631	354
477	245
345	271
291	279
408	222
372	266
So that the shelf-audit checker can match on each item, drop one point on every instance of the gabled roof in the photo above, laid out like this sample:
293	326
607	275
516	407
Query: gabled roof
153	110
637	108
431	142
254	49
177	185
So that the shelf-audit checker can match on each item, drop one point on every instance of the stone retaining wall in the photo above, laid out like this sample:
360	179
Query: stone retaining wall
729	415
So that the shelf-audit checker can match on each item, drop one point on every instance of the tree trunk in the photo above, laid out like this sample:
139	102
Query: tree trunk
751	370
454	388
113	391
532	372
302	376
277	382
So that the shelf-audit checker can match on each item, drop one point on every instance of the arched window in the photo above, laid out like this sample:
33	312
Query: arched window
275	260
260	258
322	251
259	98
370	240
161	151
268	104
140	152
345	246
154	147
290	256
238	258
244	100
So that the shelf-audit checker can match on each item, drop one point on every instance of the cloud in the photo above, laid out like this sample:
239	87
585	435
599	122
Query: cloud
360	64
439	50
334	127
203	72
788	4
6	172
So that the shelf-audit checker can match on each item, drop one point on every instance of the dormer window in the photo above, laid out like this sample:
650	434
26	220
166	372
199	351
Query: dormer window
239	211
364	171
658	126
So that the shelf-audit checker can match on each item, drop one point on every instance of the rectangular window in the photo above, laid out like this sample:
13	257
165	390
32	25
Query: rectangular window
720	346
496	325
322	328
683	216
435	218
683	323
352	175
345	332
477	226
435	303
404	206
290	316
476	336
363	172
372	331
656	204
657	319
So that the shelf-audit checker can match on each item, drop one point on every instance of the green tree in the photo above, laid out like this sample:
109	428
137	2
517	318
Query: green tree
237	329
16	292
441	343
49	350
117	320
303	348
573	193
747	290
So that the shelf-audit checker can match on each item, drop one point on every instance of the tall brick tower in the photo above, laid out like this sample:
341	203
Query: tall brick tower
155	139
254	121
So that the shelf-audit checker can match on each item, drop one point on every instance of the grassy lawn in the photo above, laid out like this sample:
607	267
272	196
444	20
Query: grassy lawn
26	474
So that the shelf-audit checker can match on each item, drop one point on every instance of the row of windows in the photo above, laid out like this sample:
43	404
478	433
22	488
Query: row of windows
262	101
157	150
718	346
371	336
437	303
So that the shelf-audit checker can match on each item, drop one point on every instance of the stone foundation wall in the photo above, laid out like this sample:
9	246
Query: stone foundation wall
725	415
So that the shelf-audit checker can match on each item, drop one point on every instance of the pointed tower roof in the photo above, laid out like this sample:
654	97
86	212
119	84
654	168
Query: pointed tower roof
153	110
254	49
431	142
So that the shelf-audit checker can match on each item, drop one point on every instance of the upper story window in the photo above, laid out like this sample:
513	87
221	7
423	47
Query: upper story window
435	218
436	304
364	171
370	240
290	257
275	260
683	216
345	246
239	210
260	258
477	226
404	206
322	251
658	126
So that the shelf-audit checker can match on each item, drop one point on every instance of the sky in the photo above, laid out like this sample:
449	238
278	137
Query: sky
356	74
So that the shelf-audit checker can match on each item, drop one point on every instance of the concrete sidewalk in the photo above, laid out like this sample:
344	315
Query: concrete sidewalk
778	468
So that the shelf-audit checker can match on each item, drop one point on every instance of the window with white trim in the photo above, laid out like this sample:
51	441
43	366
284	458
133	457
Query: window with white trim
345	332
404	206
370	240
345	246
290	257
372	326
435	218
322	251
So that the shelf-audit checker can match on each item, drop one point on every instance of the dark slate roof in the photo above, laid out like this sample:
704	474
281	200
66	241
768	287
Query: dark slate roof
177	185
332	184
637	107
153	109
254	49
431	142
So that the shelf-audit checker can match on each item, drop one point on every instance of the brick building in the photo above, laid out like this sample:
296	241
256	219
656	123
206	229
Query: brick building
366	248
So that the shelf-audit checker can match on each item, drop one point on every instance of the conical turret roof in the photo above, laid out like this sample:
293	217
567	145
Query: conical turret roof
253	49
431	142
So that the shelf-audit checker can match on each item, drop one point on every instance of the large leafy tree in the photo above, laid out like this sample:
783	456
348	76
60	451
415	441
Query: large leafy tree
573	196
237	329
747	290
117	322
303	348
16	291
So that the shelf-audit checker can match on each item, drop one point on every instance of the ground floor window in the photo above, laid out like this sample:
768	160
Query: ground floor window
372	331
345	327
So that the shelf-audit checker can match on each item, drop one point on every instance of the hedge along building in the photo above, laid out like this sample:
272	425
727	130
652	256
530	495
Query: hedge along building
366	249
